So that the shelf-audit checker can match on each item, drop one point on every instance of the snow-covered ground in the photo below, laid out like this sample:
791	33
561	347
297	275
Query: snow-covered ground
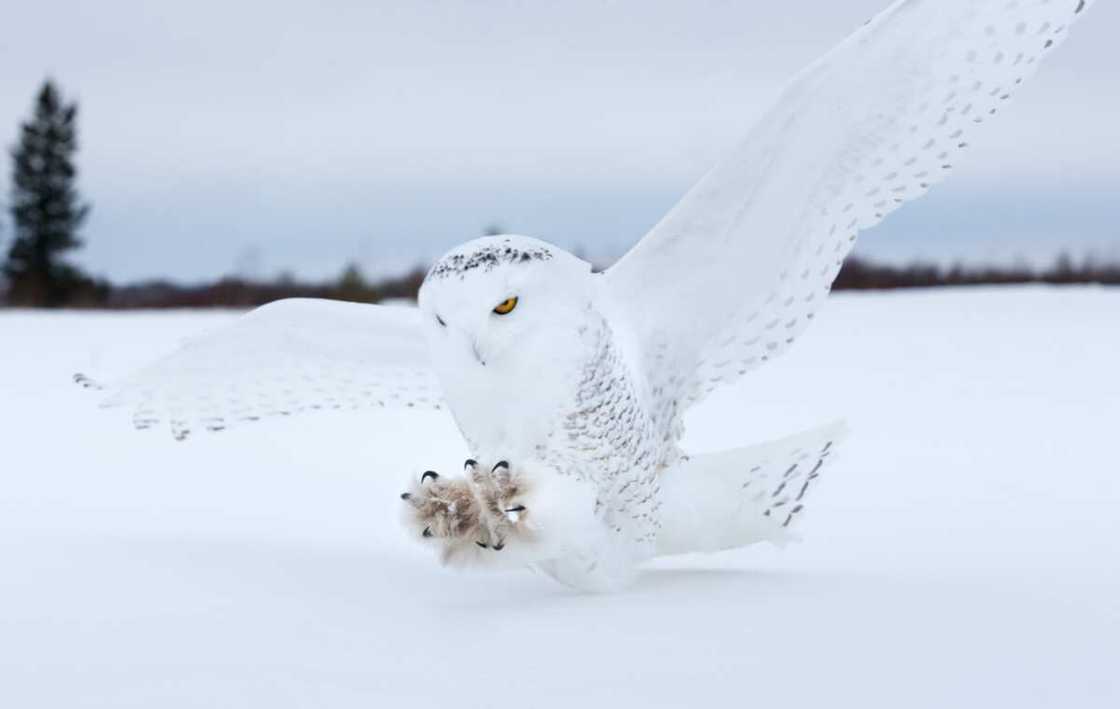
963	551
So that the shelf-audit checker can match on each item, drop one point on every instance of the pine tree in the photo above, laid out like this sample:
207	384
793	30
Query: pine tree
45	208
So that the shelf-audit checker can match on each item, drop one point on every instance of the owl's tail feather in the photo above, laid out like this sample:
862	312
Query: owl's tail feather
737	497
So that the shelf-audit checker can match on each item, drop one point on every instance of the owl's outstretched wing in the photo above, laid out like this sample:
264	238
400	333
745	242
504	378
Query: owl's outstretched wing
735	272
285	357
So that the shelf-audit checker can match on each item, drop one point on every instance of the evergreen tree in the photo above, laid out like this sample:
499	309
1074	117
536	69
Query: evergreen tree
352	285
45	208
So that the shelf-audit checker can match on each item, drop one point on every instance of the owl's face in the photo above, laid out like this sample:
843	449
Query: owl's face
495	301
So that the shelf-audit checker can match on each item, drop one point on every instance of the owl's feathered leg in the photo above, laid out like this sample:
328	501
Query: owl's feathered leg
443	508
500	494
484	510
508	516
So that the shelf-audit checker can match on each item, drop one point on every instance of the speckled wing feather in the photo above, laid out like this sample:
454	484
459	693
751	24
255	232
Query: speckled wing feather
737	497
283	358
735	272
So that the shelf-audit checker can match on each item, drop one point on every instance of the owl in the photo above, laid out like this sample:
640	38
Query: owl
569	385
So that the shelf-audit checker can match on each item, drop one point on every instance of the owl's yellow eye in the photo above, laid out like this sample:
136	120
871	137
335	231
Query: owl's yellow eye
506	306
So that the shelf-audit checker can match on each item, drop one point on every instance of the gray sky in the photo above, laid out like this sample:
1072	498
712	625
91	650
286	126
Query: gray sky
276	136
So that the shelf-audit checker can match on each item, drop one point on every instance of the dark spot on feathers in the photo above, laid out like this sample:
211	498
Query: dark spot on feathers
486	259
85	382
804	488
789	517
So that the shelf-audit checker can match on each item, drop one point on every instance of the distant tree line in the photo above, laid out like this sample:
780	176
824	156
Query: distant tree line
46	213
862	274
856	274
243	293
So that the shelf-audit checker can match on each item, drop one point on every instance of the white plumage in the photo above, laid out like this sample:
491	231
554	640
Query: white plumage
284	358
569	386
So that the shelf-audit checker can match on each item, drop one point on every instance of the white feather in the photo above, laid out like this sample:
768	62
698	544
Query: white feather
283	358
736	271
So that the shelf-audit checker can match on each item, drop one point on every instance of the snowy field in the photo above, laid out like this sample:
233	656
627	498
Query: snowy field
963	550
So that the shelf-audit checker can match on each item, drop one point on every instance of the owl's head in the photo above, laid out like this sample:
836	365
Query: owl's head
484	297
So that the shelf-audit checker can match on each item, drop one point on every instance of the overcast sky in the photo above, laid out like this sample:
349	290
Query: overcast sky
273	136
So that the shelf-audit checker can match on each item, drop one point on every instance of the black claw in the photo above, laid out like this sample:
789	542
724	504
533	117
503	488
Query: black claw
484	545
499	464
429	474
406	495
499	547
516	508
427	532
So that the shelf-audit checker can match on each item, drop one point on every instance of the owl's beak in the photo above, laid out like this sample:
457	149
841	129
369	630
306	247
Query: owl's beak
477	354
472	343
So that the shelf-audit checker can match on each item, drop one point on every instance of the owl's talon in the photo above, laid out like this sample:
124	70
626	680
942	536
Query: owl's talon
513	514
483	507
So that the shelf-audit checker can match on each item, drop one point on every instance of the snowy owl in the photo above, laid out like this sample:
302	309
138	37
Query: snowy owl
569	385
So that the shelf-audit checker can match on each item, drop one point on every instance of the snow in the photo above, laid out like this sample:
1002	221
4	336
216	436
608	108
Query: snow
962	550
